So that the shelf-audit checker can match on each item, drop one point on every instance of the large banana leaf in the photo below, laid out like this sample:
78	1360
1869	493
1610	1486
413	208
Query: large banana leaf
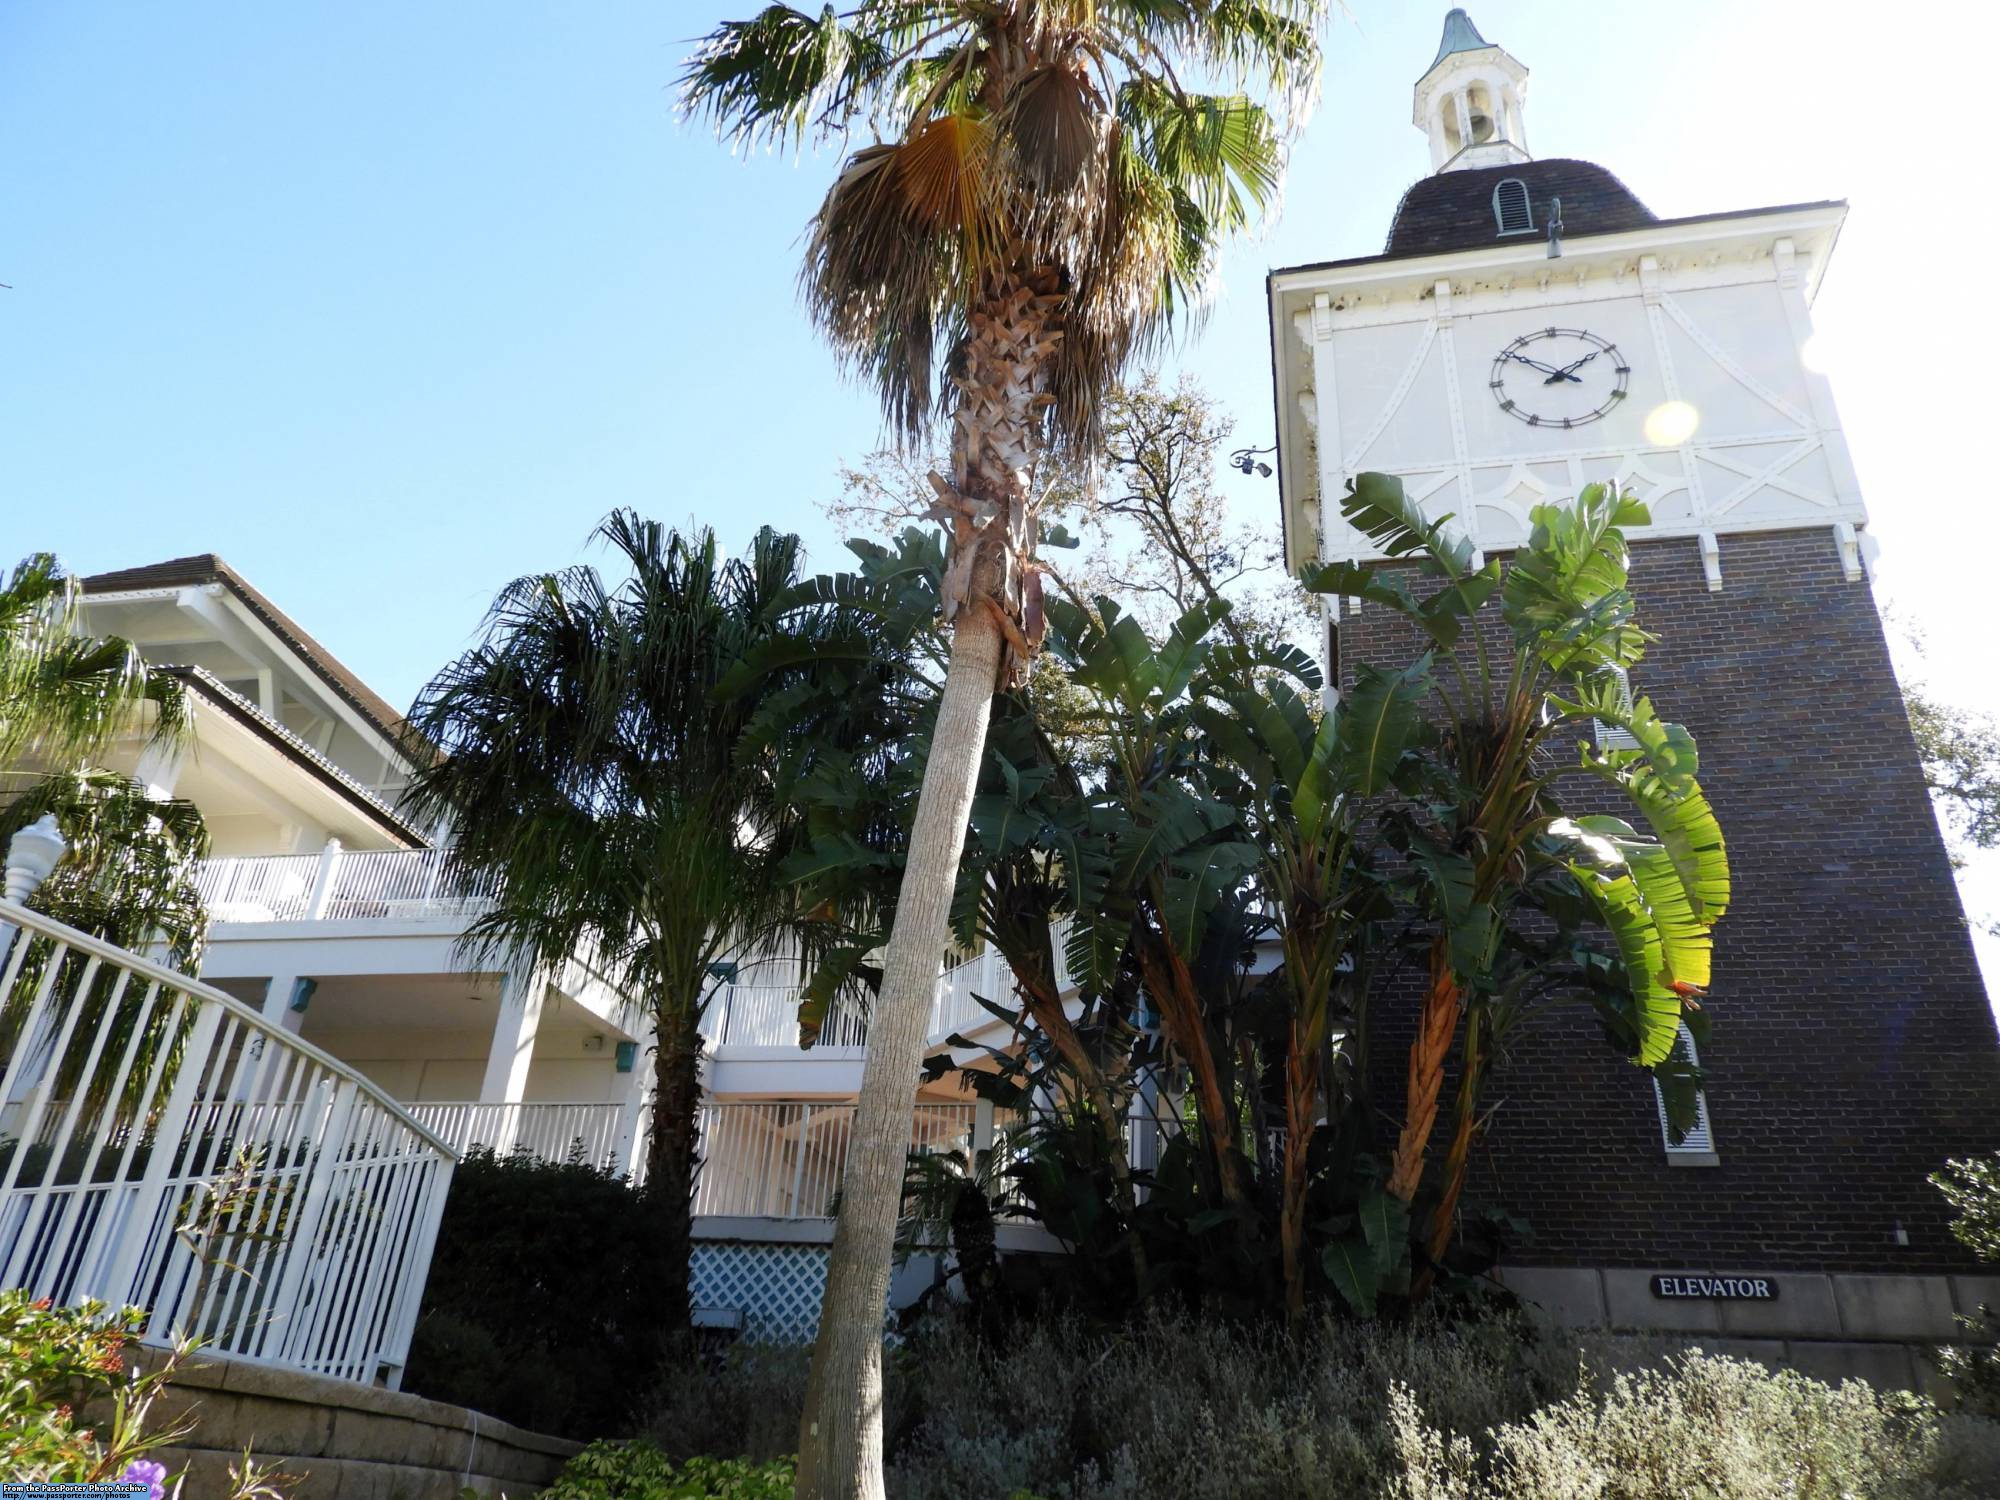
1575	561
1656	1010
1469	925
1668	749
1377	505
1683	931
1196	882
1684	823
1378	722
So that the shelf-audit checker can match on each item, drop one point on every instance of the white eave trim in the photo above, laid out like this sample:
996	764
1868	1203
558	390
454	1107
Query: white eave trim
1292	289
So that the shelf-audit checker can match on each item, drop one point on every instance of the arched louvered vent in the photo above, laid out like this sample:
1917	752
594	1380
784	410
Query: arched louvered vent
1697	1147
1510	206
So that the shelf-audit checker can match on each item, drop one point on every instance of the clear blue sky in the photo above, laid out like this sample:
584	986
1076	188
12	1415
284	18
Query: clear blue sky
388	303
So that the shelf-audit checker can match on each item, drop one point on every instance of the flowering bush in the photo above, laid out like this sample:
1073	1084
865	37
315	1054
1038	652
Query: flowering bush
75	1409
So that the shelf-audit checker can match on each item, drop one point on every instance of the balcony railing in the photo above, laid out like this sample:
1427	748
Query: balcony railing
760	1010
337	885
164	1146
597	1133
784	1159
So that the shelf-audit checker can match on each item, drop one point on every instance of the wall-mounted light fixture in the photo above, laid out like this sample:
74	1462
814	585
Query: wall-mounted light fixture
1246	461
627	1056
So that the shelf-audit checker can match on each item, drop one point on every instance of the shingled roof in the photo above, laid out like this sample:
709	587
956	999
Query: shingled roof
1454	210
205	568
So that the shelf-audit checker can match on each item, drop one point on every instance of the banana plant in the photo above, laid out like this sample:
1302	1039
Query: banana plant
1305	782
1171	851
1487	840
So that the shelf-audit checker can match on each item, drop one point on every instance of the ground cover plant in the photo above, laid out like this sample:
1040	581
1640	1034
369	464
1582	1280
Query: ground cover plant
1477	1410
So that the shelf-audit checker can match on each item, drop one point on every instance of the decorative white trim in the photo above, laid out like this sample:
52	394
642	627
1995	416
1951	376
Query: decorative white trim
1352	463
1850	550
1729	366
1711	560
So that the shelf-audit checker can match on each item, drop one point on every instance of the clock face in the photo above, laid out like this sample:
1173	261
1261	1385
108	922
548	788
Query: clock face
1559	377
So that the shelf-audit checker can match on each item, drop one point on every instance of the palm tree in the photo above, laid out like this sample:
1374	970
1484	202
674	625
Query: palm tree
590	770
1045	197
64	695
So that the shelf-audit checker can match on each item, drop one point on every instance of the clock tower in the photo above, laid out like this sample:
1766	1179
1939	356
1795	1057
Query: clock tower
1531	327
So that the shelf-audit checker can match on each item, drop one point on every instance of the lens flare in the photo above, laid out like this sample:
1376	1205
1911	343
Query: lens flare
1671	423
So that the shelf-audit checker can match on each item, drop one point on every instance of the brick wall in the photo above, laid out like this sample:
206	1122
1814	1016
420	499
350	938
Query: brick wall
1854	1050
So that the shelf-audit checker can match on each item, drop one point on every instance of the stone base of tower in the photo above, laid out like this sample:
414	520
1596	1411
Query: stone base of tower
1853	1049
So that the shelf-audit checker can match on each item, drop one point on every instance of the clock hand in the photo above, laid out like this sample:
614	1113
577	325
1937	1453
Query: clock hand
1533	363
1565	373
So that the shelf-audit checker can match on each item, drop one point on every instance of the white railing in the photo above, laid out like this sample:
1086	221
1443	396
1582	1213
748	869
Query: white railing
337	885
165	1147
784	1159
767	1015
763	1009
597	1133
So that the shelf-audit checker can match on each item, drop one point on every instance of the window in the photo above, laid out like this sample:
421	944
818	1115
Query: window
1510	206
1697	1147
1609	737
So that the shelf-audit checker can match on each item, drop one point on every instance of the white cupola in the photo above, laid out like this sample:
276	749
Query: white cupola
1471	102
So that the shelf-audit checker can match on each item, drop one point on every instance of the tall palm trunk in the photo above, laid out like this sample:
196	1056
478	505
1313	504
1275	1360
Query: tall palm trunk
995	424
1172	987
1436	1026
670	1168
1458	1158
1302	1082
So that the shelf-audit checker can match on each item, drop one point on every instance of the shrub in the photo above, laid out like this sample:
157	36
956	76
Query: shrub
541	1306
74	1409
1701	1425
640	1471
1423	1411
1972	1187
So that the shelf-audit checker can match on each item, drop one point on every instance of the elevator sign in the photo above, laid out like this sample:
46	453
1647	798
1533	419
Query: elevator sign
1687	1287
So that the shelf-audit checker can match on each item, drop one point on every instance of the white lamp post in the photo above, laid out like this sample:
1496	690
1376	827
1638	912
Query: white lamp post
32	855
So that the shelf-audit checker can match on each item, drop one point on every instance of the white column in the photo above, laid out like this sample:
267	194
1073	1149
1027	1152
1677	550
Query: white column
635	1089
276	1009
323	879
159	769
982	1126
512	1052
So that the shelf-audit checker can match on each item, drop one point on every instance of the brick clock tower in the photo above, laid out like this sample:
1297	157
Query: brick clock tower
1853	1050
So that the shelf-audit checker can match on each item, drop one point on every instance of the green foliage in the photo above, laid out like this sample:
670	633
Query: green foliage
1961	756
1701	1425
76	1407
540	1308
65	694
640	1471
1971	1186
1004	137
1203	1407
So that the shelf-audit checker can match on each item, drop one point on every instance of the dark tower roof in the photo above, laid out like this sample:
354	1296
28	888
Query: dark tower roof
1460	35
1454	210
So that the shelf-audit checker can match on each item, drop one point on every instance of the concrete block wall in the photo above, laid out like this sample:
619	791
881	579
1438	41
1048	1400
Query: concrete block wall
1837	1326
348	1442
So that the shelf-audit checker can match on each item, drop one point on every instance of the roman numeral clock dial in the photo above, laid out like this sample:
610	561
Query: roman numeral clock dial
1559	377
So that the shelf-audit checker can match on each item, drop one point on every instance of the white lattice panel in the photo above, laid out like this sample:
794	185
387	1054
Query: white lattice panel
777	1288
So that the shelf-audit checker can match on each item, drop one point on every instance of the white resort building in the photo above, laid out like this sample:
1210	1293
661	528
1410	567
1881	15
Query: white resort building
331	913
